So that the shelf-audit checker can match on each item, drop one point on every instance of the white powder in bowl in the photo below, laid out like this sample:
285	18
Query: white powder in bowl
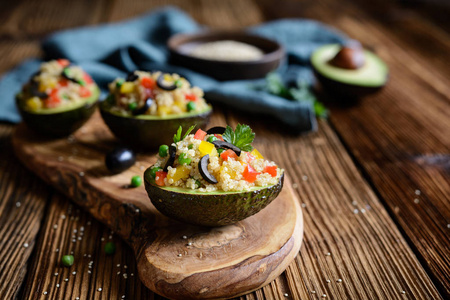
227	51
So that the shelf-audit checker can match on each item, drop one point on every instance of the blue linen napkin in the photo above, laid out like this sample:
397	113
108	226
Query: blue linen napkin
112	50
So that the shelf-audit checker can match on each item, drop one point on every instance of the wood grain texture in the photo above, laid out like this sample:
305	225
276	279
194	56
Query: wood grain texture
368	253
22	205
401	135
219	262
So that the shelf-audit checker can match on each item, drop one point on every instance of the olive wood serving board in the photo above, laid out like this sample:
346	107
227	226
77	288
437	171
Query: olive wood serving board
176	260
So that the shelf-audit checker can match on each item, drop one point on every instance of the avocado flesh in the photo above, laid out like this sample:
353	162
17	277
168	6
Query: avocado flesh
216	208
60	121
149	132
372	74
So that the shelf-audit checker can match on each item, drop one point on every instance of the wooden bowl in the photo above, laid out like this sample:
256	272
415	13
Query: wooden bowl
181	45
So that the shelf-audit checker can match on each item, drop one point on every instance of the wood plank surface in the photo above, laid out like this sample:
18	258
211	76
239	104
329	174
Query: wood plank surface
367	249
401	136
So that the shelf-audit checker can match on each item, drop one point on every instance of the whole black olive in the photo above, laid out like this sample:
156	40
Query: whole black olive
226	145
141	110
163	85
203	168
120	159
216	130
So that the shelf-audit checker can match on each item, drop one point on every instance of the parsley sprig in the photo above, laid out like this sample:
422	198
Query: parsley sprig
300	92
241	137
177	136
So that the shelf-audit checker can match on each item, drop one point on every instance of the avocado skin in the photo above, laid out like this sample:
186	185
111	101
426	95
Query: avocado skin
58	124
341	89
149	134
210	209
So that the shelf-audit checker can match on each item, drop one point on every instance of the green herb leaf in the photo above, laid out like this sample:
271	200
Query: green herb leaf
177	136
188	131
242	137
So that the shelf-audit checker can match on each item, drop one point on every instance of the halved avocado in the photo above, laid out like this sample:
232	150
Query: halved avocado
210	209
365	80
59	121
149	132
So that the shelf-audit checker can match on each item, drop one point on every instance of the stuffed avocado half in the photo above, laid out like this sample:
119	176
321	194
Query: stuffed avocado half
58	99
145	108
349	70
212	178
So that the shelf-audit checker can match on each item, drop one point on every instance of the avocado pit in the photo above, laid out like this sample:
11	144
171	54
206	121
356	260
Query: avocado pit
349	57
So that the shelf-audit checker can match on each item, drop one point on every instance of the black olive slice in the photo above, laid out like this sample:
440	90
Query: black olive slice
144	108
226	145
203	168
65	74
216	130
162	84
33	87
120	159
132	76
171	160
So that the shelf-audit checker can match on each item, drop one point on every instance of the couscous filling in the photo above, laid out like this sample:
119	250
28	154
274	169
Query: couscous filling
57	85
214	162
154	94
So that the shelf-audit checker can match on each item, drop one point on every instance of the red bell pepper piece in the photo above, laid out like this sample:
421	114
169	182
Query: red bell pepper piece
63	82
190	97
63	62
87	78
272	170
84	92
148	83
249	174
228	154
200	135
159	178
53	99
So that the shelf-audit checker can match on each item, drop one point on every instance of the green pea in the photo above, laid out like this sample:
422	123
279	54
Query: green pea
211	139
191	146
132	106
67	260
220	150
163	150
178	83
190	106
81	82
110	248
183	159
119	83
154	170
136	181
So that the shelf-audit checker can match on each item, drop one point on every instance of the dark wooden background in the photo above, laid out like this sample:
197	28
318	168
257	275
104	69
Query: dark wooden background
373	181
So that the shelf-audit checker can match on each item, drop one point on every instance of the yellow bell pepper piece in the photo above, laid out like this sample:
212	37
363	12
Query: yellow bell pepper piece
164	110
229	171
34	103
181	172
49	84
127	87
206	148
256	154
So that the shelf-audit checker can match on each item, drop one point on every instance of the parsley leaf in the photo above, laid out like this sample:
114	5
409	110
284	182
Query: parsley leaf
177	136
242	137
300	92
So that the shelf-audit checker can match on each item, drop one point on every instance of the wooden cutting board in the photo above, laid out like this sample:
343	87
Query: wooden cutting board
176	260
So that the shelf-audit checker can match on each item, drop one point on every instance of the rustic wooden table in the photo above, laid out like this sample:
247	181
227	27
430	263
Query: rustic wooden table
373	181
